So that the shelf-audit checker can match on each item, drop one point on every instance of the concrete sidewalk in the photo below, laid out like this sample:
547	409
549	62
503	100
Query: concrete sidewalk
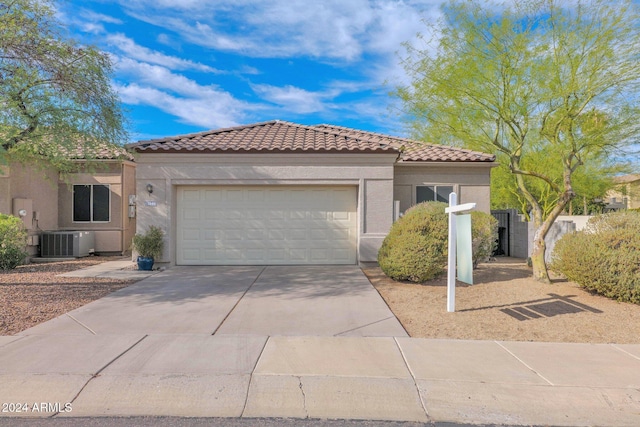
322	377
120	269
196	342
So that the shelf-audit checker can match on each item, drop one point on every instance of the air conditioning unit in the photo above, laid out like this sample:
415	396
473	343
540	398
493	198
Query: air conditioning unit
70	244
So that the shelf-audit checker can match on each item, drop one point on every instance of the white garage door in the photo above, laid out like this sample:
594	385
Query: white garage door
262	225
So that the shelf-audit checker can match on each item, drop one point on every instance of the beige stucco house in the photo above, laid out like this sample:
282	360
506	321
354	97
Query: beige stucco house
282	193
93	199
626	194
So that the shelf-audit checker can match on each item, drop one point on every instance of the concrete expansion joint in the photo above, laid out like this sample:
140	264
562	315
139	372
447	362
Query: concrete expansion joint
524	363
625	351
99	371
239	299
304	397
81	324
253	372
413	377
363	326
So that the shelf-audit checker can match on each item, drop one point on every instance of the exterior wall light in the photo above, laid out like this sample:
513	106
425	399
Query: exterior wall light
149	188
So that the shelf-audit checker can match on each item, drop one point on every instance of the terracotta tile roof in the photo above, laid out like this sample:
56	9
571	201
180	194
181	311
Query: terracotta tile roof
100	151
416	151
623	179
105	152
280	136
267	136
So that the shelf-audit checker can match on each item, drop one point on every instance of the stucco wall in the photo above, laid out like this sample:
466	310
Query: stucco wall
108	233
39	186
128	189
110	236
372	173
470	181
5	190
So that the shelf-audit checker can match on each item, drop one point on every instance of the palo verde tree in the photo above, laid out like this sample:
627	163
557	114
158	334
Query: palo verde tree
56	96
537	82
591	182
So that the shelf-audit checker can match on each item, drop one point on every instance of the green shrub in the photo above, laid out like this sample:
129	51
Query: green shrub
416	247
149	244
604	258
13	241
484	235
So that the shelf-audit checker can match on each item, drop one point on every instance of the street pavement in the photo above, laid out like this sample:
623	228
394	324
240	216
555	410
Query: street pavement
302	344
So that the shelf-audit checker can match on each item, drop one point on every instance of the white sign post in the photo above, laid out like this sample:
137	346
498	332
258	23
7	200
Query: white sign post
451	269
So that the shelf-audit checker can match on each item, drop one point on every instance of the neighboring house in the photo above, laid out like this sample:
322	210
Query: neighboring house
626	194
283	193
96	199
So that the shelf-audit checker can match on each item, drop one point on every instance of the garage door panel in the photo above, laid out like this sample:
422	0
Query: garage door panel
212	195
298	254
213	214
192	234
319	255
258	234
192	214
276	256
191	254
191	195
275	235
269	225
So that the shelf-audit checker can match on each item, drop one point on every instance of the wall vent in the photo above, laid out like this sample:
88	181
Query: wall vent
66	244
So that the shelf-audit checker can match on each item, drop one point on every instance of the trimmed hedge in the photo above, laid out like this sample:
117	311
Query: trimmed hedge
13	241
604	258
416	247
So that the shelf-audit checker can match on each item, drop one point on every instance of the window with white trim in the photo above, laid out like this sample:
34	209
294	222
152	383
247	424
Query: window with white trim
91	203
431	193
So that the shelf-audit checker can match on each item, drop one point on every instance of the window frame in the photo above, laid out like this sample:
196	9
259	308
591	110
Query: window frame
91	204
435	192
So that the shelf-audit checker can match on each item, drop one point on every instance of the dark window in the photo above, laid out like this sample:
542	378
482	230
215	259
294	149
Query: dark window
91	203
431	193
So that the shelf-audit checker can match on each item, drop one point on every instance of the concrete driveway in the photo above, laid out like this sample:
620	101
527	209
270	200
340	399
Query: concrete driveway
222	300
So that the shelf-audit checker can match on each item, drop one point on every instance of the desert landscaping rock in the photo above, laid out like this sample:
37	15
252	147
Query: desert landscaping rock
506	304
34	293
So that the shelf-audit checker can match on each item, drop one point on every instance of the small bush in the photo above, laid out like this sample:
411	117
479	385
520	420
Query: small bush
149	244
604	258
416	247
13	241
484	236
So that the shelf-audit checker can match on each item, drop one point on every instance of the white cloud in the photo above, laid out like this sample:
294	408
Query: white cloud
100	17
212	110
168	40
294	99
200	105
88	21
360	37
330	29
141	53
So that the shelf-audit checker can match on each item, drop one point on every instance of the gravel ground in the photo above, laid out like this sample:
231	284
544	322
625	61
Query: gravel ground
505	303
34	293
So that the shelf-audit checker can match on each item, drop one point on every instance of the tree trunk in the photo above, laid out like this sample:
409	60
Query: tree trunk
540	271
538	263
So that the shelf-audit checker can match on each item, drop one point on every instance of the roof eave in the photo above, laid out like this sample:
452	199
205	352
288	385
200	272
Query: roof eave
444	163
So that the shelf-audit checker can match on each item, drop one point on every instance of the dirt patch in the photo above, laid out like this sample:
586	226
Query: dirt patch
35	293
505	303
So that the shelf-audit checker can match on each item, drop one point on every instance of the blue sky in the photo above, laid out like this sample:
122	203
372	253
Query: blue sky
185	66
